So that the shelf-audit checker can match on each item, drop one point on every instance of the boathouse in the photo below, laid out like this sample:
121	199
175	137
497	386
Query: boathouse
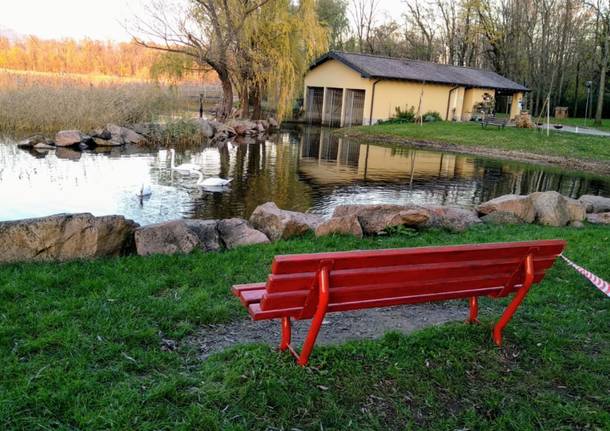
344	89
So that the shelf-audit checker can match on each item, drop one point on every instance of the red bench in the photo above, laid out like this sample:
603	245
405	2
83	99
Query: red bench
307	286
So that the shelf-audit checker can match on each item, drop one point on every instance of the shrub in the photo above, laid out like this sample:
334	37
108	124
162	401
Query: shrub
432	116
406	115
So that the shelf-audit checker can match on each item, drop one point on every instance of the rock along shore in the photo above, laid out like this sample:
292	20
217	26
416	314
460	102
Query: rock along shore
83	236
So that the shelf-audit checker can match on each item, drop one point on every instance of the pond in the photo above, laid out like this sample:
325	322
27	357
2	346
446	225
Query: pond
304	169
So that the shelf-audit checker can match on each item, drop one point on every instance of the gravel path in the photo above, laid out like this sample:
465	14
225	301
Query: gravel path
337	327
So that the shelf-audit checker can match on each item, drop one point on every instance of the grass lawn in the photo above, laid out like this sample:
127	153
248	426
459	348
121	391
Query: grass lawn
80	348
511	139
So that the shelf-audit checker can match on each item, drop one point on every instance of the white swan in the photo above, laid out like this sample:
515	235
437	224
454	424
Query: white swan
185	168
212	182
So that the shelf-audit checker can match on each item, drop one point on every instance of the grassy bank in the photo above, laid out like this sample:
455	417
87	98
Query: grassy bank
46	104
510	139
81	348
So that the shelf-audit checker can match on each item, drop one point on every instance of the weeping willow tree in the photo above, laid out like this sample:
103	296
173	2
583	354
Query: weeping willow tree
278	42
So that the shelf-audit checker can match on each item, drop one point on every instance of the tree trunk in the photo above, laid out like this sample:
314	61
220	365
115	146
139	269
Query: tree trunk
257	111
575	111
244	101
227	96
602	83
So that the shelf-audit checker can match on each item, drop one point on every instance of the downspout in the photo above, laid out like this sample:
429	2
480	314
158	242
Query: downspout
372	101
449	101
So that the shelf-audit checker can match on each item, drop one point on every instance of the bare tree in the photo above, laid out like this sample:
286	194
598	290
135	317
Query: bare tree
205	30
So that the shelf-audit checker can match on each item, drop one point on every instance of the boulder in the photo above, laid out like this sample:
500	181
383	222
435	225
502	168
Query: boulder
177	236
101	134
106	143
599	218
551	208
235	232
577	211
376	218
281	224
66	138
47	145
502	217
345	225
453	219
243	127
273	123
32	141
595	204
132	137
123	135
64	237
520	206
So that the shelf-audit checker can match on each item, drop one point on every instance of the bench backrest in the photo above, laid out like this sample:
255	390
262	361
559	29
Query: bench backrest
373	278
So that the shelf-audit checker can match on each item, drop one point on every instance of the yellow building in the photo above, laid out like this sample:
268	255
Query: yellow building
343	89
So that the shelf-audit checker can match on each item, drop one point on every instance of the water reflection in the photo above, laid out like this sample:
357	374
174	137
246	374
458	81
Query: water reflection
308	169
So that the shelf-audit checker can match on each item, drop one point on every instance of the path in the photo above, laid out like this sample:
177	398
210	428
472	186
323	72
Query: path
337	327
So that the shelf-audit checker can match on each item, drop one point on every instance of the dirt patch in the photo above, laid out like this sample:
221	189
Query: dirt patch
337	327
592	166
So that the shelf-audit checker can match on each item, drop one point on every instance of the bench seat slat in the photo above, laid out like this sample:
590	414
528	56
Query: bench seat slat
402	289
393	274
259	314
418	255
238	288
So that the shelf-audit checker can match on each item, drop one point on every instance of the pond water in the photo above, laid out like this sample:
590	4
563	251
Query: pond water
304	169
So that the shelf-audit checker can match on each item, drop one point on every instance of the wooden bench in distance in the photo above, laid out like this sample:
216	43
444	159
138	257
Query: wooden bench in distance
493	121
307	286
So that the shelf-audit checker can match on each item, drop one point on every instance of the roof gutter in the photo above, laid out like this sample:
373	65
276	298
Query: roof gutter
373	101
449	101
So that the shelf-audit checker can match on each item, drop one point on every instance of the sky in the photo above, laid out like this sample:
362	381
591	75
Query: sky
95	19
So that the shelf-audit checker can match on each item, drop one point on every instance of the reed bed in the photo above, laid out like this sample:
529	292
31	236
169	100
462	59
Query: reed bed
47	103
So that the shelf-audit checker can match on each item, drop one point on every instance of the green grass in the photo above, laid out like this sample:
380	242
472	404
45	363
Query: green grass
80	348
511	139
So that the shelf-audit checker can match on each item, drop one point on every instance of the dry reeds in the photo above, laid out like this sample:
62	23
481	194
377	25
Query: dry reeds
35	103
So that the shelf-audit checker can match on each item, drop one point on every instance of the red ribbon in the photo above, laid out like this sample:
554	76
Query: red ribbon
601	284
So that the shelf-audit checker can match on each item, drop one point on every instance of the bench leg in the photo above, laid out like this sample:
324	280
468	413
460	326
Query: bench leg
519	296
474	310
316	322
286	333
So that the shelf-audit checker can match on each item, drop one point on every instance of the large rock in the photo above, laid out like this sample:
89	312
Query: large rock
553	209
520	206
123	135
33	141
599	218
243	127
595	204
345	225
235	232
106	142
451	218
65	237
377	218
577	211
281	224
502	217
66	138
177	236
